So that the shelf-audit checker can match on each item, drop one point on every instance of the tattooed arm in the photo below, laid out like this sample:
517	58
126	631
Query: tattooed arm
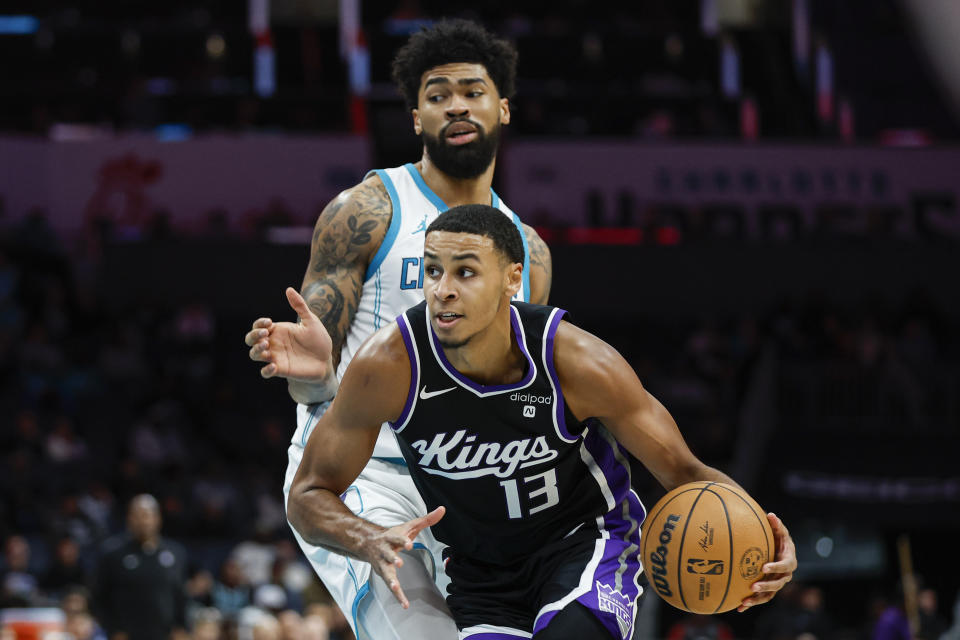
541	266
345	238
347	235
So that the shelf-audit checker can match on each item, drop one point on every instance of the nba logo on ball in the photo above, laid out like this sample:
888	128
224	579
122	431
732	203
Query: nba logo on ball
704	545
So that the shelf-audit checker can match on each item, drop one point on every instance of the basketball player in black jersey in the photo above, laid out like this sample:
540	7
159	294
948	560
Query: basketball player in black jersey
516	426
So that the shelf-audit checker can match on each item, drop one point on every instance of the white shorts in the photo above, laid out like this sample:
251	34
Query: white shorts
384	494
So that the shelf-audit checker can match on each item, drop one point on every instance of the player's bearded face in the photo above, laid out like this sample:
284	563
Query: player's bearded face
463	161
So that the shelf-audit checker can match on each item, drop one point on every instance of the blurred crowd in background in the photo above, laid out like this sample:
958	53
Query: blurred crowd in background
106	396
652	69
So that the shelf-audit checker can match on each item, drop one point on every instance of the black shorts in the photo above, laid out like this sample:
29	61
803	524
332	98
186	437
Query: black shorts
597	567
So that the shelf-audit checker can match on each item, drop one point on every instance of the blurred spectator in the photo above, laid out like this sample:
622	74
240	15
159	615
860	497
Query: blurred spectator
207	624
75	600
96	504
255	557
82	626
337	626
266	628
270	597
66	570
63	445
231	592
18	586
140	579
932	624
811	617
291	625
198	589
315	628
695	627
775	620
893	623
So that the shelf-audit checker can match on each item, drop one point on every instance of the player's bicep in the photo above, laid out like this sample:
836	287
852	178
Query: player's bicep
603	385
541	266
345	238
648	431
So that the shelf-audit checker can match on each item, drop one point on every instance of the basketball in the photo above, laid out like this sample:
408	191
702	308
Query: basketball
704	544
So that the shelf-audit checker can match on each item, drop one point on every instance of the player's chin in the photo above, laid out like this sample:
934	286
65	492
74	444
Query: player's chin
450	339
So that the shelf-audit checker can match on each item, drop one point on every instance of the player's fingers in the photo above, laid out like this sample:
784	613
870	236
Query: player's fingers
786	565
254	335
417	525
398	593
262	323
772	583
780	531
397	539
299	304
753	601
260	352
388	571
268	371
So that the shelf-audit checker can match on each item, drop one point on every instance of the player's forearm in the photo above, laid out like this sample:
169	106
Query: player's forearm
314	392
698	471
321	519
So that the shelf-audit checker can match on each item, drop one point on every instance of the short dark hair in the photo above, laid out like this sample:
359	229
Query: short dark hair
483	220
450	41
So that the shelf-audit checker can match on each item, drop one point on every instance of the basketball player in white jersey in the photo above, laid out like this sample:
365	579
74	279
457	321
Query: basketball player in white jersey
517	427
366	267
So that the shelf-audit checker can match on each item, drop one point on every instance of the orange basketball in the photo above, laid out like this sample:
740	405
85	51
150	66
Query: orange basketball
704	544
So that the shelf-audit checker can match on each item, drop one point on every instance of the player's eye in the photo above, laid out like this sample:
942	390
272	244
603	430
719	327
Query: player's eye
466	272
431	271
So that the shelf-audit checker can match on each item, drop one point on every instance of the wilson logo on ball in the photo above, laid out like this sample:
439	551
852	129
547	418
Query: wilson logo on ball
658	558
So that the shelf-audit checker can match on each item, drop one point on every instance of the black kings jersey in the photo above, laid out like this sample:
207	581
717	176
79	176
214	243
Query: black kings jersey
514	468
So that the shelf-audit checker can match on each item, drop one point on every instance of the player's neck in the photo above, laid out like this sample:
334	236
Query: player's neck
491	357
457	191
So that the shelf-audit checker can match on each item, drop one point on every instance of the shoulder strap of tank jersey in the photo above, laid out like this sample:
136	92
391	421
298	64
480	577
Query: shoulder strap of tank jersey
535	317
415	318
409	323
552	318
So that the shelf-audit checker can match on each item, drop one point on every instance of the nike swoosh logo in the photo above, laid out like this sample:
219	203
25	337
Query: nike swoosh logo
426	395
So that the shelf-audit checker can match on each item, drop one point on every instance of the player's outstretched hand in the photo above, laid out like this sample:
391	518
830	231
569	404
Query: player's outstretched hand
297	351
777	573
383	550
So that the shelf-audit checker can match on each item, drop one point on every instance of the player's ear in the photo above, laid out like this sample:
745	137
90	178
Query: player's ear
504	111
514	278
417	126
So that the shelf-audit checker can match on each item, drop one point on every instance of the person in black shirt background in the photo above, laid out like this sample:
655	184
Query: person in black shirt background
140	579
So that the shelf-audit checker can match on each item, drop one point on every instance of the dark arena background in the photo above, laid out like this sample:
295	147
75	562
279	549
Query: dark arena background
756	201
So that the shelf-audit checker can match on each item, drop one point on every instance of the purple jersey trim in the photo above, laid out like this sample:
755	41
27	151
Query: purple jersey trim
559	409
414	374
482	389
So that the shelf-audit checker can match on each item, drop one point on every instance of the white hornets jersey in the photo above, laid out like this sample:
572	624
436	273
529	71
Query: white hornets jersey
394	279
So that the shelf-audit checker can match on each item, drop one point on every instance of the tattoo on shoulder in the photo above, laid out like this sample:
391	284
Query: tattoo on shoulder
539	252
540	260
345	237
348	225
